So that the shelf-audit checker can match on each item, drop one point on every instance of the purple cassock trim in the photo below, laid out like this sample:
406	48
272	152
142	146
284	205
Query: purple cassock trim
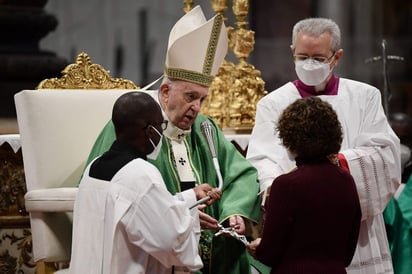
306	91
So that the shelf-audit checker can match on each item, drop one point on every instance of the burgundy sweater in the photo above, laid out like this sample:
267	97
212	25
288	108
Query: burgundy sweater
312	222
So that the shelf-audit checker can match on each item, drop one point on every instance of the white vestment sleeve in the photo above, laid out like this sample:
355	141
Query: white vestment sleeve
374	160
265	150
163	226
188	196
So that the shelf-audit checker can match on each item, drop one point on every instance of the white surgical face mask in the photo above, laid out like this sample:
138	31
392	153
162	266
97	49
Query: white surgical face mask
156	148
311	72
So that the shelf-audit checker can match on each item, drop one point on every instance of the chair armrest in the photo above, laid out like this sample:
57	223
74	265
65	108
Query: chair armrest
51	199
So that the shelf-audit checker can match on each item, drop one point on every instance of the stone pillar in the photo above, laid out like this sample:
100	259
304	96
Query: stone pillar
23	64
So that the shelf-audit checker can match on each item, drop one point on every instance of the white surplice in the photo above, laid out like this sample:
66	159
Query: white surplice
132	224
370	146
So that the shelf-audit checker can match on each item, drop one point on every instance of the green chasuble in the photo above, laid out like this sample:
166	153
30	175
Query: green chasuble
223	255
398	220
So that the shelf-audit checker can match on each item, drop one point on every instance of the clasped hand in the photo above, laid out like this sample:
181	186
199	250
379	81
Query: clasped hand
207	221
204	190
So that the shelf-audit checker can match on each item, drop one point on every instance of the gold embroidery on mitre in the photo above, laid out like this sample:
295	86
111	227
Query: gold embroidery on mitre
188	75
213	42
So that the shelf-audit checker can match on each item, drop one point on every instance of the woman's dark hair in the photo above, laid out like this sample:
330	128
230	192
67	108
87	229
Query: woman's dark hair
309	127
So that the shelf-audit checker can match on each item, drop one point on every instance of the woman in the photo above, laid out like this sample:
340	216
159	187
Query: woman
313	213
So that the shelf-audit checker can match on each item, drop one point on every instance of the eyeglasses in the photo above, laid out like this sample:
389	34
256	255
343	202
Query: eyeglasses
320	59
162	124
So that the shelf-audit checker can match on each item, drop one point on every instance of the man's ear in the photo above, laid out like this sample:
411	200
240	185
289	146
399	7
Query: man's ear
164	91
338	55
292	51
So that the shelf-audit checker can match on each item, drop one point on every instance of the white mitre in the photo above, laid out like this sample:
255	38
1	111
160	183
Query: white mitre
196	48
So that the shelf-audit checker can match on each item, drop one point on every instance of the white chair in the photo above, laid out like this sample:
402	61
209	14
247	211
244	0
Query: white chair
57	130
58	125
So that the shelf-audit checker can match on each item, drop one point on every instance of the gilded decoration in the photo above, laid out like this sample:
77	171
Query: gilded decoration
85	75
13	188
215	105
188	5
15	236
237	88
17	257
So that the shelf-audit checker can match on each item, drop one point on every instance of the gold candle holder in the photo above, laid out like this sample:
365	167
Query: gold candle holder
188	5
234	93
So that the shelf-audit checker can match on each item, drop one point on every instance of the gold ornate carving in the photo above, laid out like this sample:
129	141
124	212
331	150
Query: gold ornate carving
16	257
219	6
247	89
15	237
188	5
85	75
236	89
13	188
216	102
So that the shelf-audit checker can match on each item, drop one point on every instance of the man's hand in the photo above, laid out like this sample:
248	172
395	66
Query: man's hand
206	221
251	248
204	190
